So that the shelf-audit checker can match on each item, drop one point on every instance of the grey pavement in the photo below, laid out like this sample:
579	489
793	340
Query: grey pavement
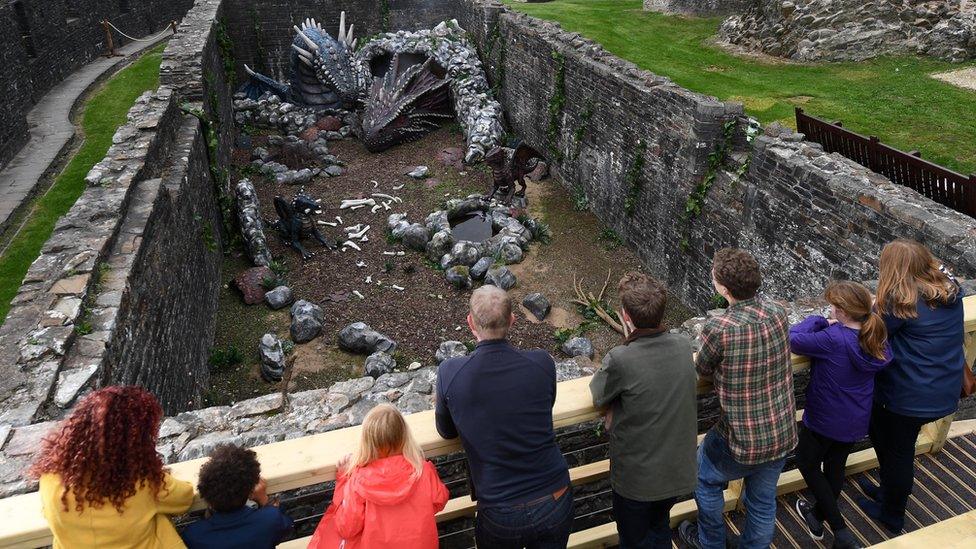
51	130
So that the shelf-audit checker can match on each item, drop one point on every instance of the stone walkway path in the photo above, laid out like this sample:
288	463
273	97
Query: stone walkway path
51	130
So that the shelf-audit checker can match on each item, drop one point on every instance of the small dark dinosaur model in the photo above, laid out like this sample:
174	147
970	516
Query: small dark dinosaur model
297	221
508	167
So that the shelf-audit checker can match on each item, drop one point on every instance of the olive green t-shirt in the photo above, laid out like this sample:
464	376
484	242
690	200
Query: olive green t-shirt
650	386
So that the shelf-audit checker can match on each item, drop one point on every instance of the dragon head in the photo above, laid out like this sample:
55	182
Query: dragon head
305	205
409	97
322	73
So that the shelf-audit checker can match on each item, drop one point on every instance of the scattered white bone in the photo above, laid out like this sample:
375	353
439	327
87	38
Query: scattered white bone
352	203
359	233
357	294
395	287
364	239
457	329
387	205
360	264
352	245
376	207
357	207
353	228
320	222
401	253
375	183
389	253
398	187
339	219
381	195
369	280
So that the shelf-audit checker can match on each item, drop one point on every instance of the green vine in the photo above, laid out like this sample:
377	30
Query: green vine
495	39
556	105
633	179
580	130
262	52
226	46
698	195
385	15
217	172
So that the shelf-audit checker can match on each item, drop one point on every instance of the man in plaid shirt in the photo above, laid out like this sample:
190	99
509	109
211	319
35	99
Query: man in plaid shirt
746	352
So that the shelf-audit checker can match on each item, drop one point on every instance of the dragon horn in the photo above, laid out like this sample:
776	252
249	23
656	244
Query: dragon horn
342	27
305	55
353	45
249	71
349	34
307	40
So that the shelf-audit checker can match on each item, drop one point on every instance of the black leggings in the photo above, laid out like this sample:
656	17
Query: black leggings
813	451
893	437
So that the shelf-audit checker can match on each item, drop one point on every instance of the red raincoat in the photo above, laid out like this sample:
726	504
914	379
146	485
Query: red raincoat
380	506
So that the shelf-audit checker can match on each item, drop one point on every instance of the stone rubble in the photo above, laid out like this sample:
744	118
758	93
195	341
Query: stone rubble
272	358
252	228
537	304
379	363
578	346
501	277
450	349
307	320
359	338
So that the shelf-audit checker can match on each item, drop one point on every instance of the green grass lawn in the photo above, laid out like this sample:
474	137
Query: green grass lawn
103	114
893	98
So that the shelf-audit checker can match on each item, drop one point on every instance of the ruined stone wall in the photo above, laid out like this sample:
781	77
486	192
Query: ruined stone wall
44	41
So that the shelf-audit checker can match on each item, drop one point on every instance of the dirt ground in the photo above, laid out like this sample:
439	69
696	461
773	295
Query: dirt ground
428	310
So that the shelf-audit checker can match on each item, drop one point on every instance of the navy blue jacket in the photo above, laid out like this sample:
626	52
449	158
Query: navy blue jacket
246	528
925	377
841	378
499	400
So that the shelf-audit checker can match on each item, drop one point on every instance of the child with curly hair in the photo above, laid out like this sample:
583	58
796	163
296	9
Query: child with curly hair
228	480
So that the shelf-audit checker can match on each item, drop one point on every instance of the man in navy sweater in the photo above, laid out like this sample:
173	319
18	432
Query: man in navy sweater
499	401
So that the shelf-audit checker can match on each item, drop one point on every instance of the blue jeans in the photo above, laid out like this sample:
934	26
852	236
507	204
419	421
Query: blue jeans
542	524
716	467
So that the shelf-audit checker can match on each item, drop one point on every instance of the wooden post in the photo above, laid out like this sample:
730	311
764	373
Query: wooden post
970	194
873	157
938	431
735	487
108	39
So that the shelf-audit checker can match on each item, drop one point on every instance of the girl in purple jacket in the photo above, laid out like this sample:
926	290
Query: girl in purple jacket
845	353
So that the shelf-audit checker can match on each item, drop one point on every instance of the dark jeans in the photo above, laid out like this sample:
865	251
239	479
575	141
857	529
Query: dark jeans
542	524
893	436
643	524
813	452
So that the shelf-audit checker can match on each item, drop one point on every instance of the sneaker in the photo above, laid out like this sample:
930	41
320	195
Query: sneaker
869	488
688	534
844	539
814	526
873	510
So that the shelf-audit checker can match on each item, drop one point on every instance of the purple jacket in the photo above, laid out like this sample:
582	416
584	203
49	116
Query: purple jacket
841	385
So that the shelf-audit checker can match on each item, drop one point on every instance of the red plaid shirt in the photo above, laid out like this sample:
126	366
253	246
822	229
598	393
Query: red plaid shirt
747	353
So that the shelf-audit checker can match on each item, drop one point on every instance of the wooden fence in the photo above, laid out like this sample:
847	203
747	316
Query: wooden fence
942	185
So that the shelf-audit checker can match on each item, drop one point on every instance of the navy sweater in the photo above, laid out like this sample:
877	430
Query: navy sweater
499	400
246	528
925	377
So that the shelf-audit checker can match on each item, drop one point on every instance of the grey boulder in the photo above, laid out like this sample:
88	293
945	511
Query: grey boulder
415	237
379	363
480	269
420	172
501	277
578	346
439	244
510	253
307	320
450	349
272	358
279	297
537	304
466	253
359	338
459	277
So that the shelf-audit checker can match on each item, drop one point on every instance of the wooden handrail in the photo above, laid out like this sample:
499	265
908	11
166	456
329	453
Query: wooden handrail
312	459
958	532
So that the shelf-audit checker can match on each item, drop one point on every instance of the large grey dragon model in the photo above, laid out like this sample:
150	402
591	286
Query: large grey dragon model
405	83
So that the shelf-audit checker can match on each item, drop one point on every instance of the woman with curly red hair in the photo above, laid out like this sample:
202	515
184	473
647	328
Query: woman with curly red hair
102	484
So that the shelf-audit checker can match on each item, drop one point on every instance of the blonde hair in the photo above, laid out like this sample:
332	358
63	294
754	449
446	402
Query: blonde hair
907	270
386	433
491	311
855	300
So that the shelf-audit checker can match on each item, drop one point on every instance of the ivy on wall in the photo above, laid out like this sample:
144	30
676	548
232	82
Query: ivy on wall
580	131
384	15
556	105
633	180
226	47
696	199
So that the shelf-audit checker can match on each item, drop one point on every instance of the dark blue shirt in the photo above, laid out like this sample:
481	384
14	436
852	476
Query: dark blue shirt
260	528
925	377
499	400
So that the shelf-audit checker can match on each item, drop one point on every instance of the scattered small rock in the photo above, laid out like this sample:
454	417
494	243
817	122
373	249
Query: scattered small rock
578	346
450	349
333	171
414	366
420	172
537	304
272	358
307	319
501	277
279	297
251	284
379	363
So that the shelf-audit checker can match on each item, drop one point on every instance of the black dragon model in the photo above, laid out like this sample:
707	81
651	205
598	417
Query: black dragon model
508	167
296	220
409	98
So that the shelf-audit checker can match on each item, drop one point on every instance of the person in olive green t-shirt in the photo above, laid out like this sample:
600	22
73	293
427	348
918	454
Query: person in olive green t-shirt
648	385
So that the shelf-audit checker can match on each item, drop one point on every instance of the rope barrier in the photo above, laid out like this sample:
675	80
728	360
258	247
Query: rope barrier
169	28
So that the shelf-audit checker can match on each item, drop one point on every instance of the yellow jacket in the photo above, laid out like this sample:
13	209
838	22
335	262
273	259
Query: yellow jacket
143	524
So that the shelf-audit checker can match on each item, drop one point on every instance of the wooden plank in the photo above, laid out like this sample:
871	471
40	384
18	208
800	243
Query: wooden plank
958	532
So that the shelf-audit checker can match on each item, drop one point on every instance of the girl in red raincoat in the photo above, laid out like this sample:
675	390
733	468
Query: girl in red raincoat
386	494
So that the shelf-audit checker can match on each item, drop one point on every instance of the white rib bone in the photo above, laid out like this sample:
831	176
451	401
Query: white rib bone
307	40
376	207
352	245
381	195
360	233
358	206
328	223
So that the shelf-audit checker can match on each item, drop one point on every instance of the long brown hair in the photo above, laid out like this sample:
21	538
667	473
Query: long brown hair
106	449
385	431
907	270
855	300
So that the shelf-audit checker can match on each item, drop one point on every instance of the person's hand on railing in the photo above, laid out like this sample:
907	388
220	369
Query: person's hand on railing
260	493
